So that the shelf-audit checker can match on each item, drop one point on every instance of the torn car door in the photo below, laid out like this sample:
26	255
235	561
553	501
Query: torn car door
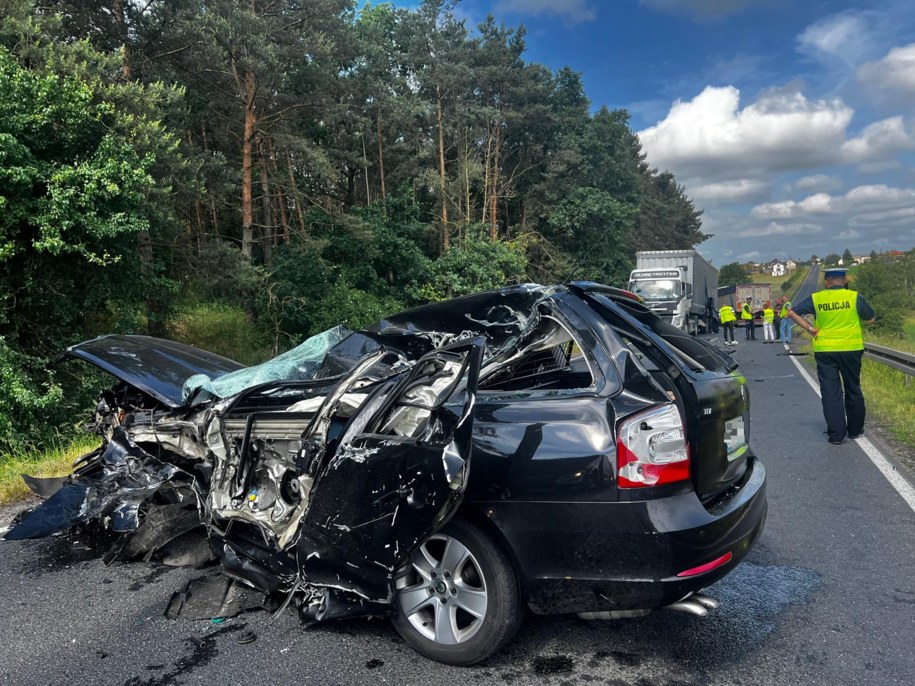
397	473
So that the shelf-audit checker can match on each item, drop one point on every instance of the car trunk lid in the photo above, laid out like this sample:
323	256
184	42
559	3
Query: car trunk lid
714	397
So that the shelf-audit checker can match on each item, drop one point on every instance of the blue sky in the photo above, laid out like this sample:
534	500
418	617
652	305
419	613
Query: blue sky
791	123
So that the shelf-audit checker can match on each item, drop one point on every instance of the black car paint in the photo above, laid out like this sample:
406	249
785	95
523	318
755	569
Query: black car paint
543	461
153	365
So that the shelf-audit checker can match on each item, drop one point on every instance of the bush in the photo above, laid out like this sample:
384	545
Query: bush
24	400
474	264
222	329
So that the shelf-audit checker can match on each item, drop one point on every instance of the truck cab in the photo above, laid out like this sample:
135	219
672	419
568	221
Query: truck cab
661	289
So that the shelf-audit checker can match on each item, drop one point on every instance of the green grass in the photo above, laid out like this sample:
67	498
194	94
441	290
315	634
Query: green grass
55	461
776	281
221	329
909	328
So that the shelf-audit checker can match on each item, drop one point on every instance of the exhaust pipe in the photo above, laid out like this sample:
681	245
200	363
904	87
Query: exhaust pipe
696	604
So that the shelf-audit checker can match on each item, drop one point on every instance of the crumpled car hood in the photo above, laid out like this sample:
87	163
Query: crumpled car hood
153	365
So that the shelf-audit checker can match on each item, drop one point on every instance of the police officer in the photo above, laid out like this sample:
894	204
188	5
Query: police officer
838	346
746	315
727	317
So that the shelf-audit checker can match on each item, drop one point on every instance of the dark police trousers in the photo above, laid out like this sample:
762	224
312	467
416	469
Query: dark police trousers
844	411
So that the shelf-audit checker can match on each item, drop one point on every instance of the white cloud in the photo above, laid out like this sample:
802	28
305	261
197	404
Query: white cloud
849	235
844	38
818	182
702	9
571	11
710	140
740	190
711	137
891	77
878	141
854	203
898	217
780	229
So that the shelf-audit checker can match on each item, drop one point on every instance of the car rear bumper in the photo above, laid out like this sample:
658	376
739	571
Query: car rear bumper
589	557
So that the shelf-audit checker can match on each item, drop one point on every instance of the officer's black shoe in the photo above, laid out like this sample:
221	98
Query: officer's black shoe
832	441
857	435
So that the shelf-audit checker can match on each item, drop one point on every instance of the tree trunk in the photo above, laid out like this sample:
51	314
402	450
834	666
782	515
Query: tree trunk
384	197
494	193
487	175
117	10
267	231
295	195
365	170
446	242
467	208
247	210
281	195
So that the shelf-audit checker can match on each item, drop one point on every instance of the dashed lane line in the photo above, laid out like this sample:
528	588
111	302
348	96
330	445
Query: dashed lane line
897	481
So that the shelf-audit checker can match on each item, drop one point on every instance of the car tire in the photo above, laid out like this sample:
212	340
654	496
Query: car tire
457	600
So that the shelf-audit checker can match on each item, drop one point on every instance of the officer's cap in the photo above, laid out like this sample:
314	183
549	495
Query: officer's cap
835	272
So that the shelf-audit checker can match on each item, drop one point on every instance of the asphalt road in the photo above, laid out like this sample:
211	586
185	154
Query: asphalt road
826	597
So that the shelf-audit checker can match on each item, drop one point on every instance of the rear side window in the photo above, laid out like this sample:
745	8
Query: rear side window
549	358
693	348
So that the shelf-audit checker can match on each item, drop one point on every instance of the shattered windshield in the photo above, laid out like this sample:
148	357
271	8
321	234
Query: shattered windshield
299	364
657	289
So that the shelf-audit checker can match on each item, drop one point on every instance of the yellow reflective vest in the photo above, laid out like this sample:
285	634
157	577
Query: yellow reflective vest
836	312
746	312
726	314
768	315
783	313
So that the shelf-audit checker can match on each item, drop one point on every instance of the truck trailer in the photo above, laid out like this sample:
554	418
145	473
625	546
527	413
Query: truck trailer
677	285
757	294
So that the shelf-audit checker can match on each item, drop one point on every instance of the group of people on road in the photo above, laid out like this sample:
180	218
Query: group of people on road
838	345
776	325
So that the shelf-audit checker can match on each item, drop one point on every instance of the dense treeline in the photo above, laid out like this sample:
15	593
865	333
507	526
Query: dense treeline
888	283
297	163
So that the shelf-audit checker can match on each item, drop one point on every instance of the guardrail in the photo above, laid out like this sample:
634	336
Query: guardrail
904	362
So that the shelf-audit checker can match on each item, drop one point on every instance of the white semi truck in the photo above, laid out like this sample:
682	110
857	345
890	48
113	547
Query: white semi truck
679	285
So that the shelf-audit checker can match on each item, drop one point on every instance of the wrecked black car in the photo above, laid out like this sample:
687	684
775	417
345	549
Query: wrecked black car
560	449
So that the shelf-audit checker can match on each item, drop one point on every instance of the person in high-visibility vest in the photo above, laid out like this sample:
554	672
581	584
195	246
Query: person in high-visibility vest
786	322
768	319
746	315
727	317
838	346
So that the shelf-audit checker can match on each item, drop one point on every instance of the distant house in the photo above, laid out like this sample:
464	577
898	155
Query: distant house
790	265
896	255
778	269
862	259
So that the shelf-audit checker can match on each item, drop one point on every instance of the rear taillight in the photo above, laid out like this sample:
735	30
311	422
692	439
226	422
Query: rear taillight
651	449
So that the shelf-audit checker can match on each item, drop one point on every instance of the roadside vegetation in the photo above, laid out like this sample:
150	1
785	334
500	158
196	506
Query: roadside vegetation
55	460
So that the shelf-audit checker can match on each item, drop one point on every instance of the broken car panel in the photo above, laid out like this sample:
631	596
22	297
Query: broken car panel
609	451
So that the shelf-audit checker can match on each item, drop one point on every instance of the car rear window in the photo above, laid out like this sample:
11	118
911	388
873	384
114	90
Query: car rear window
694	348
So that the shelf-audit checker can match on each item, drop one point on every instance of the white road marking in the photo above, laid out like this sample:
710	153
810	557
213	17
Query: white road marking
897	481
